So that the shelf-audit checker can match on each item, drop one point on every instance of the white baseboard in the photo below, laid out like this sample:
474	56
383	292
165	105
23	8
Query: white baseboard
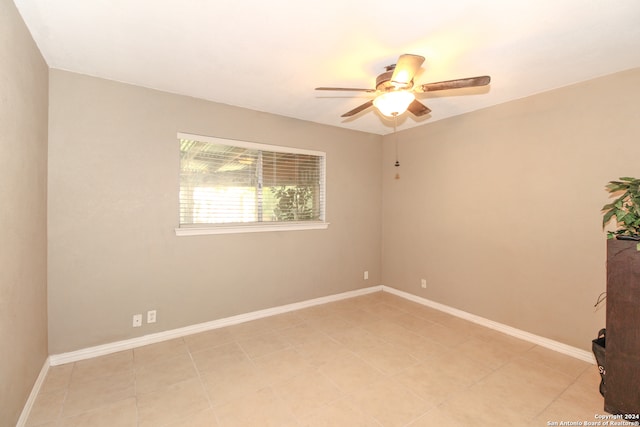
26	410
509	330
101	350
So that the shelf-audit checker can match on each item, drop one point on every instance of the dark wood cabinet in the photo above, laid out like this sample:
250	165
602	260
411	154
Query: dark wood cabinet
623	328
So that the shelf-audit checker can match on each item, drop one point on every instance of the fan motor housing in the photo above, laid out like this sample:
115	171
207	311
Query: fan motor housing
383	81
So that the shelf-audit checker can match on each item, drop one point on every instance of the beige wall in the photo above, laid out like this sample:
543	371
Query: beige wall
500	209
113	194
23	193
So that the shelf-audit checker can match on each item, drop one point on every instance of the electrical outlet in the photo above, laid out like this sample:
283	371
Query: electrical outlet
366	275
137	320
423	283
151	316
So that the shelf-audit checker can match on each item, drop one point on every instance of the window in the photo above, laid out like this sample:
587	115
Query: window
231	186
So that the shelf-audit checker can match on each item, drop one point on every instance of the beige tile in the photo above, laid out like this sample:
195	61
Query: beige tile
58	377
116	363
330	324
249	329
387	358
260	345
356	339
459	325
374	360
457	364
431	330
566	364
318	352
281	365
436	417
376	297
589	378
435	383
159	352
391	403
386	329
396	301
119	414
164	372
206	418
383	311
261	408
359	317
339	413
214	357
518	391
93	394
307	392
317	312
413	323
232	381
532	374
443	335
413	336
49	424
489	353
47	407
424	348
426	313
580	401
212	338
346	306
507	342
172	403
575	404
301	334
283	321
403	338
350	373
477	407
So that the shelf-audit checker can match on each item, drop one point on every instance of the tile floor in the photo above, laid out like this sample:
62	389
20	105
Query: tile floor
375	360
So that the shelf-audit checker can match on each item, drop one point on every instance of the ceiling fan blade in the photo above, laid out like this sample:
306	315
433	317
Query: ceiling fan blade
418	108
346	88
454	84
358	109
406	68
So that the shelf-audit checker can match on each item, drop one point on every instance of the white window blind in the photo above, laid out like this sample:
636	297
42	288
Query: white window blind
226	184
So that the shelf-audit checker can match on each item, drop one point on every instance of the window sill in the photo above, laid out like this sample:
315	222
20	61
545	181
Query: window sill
250	228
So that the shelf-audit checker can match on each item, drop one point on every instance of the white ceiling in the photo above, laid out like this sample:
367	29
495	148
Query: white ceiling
270	55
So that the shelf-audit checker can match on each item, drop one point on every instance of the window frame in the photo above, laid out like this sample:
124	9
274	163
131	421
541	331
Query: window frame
252	227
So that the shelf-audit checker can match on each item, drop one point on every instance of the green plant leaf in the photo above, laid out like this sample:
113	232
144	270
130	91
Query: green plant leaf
608	215
625	208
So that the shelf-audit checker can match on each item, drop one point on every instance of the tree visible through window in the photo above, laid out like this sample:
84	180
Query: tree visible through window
234	182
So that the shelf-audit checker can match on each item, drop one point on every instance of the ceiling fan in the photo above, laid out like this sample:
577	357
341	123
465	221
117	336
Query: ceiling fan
395	90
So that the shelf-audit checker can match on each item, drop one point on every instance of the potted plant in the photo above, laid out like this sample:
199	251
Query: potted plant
625	208
622	394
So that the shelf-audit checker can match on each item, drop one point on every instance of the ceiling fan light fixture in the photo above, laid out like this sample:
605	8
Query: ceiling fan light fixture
402	80
394	103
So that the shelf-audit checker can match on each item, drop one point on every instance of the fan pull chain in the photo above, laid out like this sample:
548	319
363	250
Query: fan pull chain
395	124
